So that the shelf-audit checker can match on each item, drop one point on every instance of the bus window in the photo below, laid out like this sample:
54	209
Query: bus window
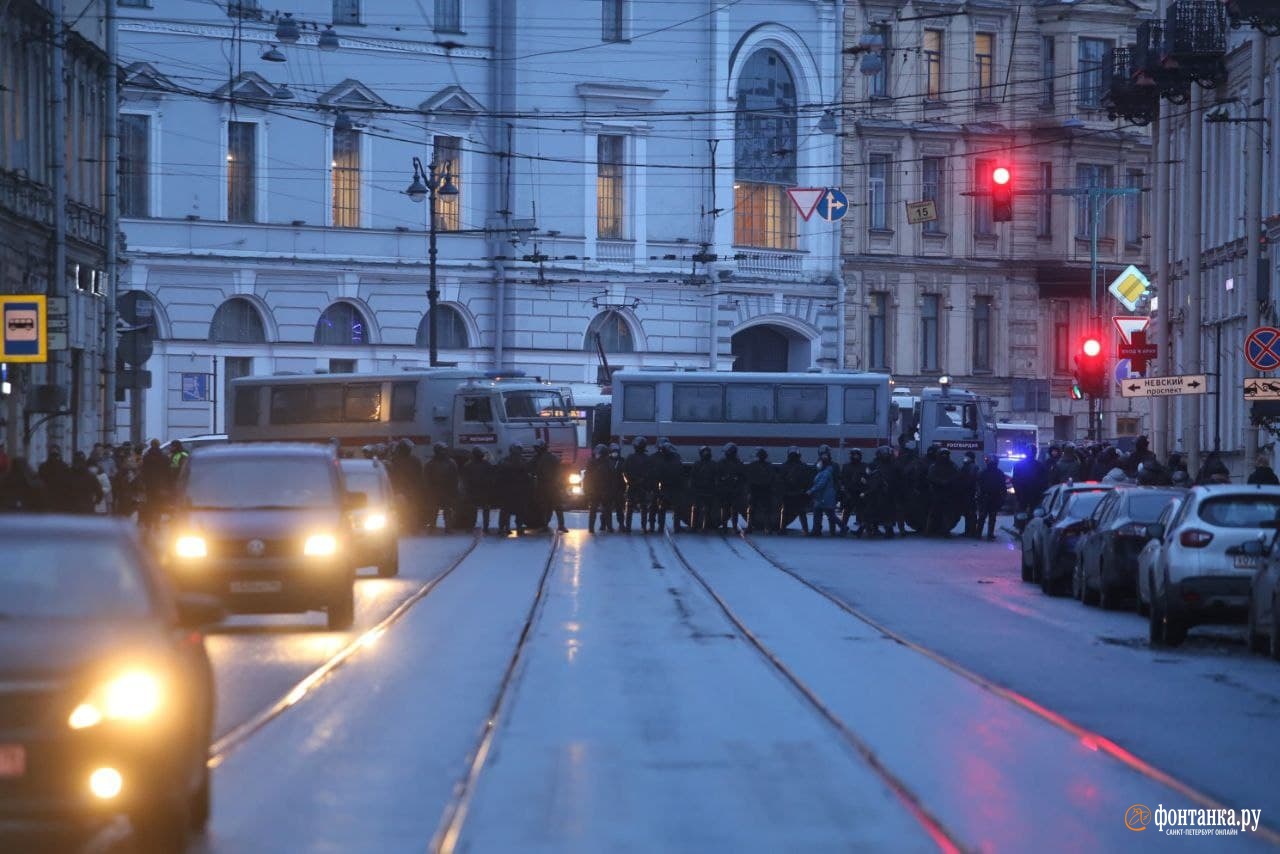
749	403
859	406
802	404
326	403
697	402
362	402
247	409
478	410
639	403
404	401
534	404
970	417
290	404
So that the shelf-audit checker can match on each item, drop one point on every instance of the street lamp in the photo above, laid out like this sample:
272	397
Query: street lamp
425	186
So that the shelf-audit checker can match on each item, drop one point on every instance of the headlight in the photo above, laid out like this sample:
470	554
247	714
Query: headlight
575	479
191	546
132	696
320	545
374	521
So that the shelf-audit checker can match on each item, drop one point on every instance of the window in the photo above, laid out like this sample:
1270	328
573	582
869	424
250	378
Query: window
242	167
234	367
290	404
929	305
1089	70
1048	71
342	366
346	178
933	65
247	407
1133	209
982	334
931	189
237	321
341	325
1132	427
983	224
984	58
859	406
1061	337
802	404
362	402
697	402
764	159
613	20
749	403
448	16
135	165
326	403
639	403
448	159
477	410
346	11
404	401
609	188
1092	175
878	191
1044	207
877	333
614	331
880	80
451	329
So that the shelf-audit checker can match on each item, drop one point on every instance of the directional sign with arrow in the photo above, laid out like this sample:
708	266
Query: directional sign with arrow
1261	388
1165	386
833	205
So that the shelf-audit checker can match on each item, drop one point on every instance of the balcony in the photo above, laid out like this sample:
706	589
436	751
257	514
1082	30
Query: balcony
616	252
1153	68
762	262
25	199
1262	14
1128	94
1195	40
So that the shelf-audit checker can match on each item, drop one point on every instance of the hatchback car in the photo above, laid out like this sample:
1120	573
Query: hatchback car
1150	554
1202	575
375	527
1107	562
1063	536
106	694
1038	524
266	527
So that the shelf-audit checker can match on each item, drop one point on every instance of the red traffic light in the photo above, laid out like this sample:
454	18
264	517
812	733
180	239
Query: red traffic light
1001	175
1091	346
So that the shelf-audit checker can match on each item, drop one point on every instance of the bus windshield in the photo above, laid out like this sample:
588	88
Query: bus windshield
534	404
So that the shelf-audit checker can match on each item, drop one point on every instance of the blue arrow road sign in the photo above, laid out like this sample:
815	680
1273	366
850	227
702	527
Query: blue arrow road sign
833	205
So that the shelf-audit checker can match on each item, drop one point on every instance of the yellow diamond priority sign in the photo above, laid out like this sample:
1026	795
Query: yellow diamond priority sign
1129	287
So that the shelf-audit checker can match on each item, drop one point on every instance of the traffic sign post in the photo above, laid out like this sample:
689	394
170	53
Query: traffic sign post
832	204
25	328
1129	287
805	199
1165	386
1262	348
1261	388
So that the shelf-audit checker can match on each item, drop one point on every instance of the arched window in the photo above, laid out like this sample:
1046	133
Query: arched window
451	329
614	331
237	321
764	154
342	325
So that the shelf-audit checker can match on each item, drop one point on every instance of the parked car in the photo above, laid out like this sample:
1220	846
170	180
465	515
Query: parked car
1039	522
267	528
1107	561
1263	629
1063	535
106	693
1150	553
375	527
1202	575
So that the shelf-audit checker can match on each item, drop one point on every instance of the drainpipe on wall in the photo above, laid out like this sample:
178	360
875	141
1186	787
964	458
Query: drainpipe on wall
113	223
1254	294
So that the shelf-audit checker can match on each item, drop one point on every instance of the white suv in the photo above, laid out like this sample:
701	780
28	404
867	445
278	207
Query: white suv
1201	575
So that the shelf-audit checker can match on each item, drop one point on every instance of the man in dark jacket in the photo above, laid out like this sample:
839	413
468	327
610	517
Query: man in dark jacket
702	480
514	486
794	478
55	474
879	508
617	486
477	487
966	494
440	482
596	489
1263	473
86	490
405	473
761	478
548	484
991	493
637	470
853	480
942	478
1214	470
20	490
669	487
1029	481
731	487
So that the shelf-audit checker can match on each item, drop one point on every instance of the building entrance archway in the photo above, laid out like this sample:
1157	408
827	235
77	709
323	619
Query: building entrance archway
769	348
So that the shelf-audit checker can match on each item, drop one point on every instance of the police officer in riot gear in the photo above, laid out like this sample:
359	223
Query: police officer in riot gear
731	487
853	480
637	469
597	488
548	484
761	479
702	480
795	478
668	476
516	486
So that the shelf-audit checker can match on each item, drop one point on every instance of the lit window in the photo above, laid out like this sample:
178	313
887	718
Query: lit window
984	57
341	325
765	144
242	168
933	65
609	186
346	178
448	154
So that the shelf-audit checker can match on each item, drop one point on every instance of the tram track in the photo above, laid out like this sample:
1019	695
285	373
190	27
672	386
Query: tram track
242	732
453	820
1094	740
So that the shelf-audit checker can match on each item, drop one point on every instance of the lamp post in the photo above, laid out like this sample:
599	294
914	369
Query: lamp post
426	186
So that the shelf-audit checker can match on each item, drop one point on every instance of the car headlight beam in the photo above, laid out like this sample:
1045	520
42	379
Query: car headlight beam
374	521
191	546
132	696
320	545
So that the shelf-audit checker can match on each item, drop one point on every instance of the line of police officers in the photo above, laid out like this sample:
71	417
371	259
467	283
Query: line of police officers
883	497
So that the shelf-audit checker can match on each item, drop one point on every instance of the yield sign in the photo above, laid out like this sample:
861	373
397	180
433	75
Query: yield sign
805	199
1129	325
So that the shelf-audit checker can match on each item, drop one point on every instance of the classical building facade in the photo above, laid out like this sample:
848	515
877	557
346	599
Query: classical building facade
939	95
622	182
53	216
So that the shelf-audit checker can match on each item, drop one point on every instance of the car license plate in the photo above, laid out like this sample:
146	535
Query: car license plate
1246	562
257	586
13	760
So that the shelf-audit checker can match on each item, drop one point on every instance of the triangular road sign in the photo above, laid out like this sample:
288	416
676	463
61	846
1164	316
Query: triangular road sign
805	199
1129	324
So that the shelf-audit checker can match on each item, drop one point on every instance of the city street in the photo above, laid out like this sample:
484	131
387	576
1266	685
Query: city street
640	693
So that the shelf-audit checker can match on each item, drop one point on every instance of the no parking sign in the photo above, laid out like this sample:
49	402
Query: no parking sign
1262	348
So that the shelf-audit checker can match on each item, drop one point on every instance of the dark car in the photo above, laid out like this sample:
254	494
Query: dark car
1107	570
375	527
106	694
266	527
1063	532
1036	526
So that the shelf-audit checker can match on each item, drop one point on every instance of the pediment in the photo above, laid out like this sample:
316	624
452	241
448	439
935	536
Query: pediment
352	95
249	86
617	96
452	100
143	75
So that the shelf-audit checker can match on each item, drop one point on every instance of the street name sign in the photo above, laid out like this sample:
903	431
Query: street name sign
1261	388
1164	386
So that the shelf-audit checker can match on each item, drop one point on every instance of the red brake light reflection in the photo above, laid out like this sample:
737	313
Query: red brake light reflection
1195	538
